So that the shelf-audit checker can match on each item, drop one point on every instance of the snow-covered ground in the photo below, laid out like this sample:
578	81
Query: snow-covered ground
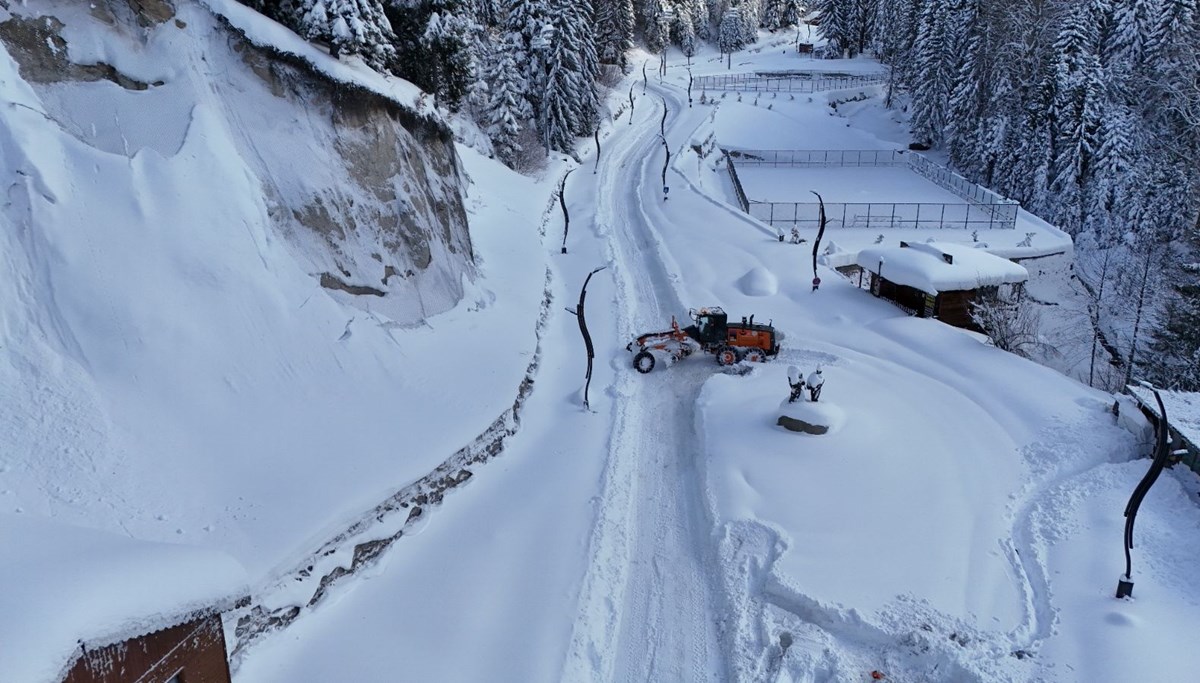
961	524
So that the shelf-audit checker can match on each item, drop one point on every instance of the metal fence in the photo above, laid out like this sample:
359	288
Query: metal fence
984	210
737	183
884	215
791	81
819	157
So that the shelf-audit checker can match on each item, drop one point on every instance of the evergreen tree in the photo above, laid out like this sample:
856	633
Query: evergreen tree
730	37
772	15
614	31
448	50
749	10
507	109
570	106
685	35
655	26
349	27
835	25
1174	358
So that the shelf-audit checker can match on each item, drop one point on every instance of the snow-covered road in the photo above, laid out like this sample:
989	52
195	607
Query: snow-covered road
660	627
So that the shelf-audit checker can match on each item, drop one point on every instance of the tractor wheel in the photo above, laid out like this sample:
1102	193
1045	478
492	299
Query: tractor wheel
728	355
756	356
643	362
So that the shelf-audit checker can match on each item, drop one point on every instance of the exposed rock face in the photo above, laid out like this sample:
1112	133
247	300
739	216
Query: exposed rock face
366	192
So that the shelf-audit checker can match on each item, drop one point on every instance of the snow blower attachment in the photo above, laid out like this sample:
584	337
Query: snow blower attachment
711	332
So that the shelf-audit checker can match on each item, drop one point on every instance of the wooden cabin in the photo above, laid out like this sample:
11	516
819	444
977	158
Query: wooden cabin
88	606
937	279
191	651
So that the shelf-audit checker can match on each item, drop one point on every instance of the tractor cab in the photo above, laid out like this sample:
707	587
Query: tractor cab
710	325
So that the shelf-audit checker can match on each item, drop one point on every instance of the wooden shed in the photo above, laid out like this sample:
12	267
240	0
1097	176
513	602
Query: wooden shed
191	651
937	279
87	606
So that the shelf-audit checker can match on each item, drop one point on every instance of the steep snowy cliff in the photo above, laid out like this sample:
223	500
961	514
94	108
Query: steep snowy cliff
228	260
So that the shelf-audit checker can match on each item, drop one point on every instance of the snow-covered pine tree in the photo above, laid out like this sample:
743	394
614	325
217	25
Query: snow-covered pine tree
655	28
934	68
791	13
730	37
448	47
749	11
1078	111
685	34
835	24
507	110
349	27
772	15
614	31
529	22
701	18
570	104
862	24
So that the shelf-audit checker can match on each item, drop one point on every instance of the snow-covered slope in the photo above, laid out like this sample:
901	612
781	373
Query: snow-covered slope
171	367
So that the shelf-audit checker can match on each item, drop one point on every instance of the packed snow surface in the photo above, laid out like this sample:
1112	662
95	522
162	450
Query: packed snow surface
177	375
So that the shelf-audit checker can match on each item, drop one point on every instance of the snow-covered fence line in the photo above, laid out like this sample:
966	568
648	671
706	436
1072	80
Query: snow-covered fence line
737	183
819	157
983	210
786	81
885	215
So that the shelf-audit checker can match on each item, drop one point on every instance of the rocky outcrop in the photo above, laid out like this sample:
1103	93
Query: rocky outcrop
366	191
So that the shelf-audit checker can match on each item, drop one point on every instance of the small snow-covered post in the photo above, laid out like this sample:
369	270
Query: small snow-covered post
816	283
631	105
795	383
815	381
562	201
1162	452
597	136
666	162
587	338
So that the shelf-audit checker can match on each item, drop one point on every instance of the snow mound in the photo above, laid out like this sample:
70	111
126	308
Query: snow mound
821	418
758	282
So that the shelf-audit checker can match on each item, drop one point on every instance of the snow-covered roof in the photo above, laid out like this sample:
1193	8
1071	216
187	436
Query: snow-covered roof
1183	409
934	267
66	585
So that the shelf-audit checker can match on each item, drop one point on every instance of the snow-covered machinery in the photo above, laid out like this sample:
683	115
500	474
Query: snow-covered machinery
712	332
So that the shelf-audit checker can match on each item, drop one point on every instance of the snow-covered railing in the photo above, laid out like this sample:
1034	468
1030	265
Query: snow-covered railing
885	215
819	157
787	81
737	184
984	210
944	177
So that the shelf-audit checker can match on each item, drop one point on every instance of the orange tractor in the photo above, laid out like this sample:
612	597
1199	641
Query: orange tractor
711	332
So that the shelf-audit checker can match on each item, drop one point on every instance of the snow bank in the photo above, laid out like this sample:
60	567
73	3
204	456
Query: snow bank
758	282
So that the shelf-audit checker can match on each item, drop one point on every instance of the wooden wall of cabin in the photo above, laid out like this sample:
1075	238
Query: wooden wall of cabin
195	648
954	308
